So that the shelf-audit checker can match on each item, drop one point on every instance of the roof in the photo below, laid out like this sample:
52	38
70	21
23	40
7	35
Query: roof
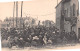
4	23
58	4
62	1
0	20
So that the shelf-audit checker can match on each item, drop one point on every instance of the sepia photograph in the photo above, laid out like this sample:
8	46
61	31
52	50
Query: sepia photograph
39	25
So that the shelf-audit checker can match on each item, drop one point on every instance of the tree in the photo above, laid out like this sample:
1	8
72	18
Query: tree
48	23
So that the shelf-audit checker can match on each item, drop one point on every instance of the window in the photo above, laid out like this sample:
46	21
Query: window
74	9
71	11
77	12
67	12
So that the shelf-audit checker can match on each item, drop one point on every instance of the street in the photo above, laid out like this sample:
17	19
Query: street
47	48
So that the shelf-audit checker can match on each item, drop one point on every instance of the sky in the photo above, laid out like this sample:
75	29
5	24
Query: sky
79	7
40	9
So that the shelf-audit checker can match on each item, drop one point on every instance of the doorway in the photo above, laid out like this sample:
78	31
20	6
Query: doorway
79	33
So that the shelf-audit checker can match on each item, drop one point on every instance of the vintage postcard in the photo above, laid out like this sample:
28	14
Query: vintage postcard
40	25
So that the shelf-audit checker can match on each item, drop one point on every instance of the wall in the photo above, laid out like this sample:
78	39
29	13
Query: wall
69	7
58	16
67	25
76	2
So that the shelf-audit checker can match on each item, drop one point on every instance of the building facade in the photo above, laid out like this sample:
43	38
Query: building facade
0	23
67	14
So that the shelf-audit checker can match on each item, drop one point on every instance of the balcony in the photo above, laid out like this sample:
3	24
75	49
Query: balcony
64	1
72	20
67	18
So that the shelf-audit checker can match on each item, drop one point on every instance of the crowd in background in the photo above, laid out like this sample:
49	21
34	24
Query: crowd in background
36	36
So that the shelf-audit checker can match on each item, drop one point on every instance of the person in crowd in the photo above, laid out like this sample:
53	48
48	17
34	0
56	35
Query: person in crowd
10	41
45	39
21	42
40	35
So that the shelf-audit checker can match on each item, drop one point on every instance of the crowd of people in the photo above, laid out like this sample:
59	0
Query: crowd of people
36	36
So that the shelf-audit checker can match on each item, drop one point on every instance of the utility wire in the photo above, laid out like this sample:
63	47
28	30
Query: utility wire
38	15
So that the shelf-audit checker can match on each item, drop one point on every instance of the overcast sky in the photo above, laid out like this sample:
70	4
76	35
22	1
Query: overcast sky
43	9
79	6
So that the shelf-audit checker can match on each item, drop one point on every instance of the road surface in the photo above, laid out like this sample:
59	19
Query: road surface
47	48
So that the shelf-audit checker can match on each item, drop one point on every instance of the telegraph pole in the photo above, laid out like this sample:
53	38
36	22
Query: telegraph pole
16	12
21	12
21	7
13	13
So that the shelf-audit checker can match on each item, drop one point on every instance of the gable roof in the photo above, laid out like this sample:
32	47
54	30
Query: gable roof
58	4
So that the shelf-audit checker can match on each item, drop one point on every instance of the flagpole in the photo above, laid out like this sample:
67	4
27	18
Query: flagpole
13	13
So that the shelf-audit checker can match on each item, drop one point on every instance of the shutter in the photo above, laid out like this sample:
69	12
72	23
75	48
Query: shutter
73	20
71	11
